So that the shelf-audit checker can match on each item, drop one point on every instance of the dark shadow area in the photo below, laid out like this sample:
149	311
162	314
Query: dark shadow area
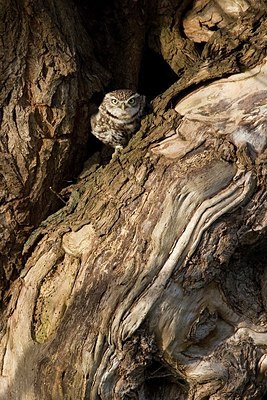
161	383
95	6
155	74
243	281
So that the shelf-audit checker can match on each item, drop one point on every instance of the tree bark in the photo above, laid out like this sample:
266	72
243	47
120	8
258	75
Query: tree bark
48	75
150	283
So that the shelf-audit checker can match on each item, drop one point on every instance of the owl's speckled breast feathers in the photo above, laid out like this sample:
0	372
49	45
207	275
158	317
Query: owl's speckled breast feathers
118	117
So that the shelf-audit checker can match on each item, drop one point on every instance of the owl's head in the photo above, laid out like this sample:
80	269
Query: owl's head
124	104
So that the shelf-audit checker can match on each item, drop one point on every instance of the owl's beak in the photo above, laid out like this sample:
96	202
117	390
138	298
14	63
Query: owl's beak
123	106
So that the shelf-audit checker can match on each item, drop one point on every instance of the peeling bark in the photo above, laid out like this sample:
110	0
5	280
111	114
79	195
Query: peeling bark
150	283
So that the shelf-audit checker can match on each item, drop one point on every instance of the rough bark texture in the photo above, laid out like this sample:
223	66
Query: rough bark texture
150	283
48	74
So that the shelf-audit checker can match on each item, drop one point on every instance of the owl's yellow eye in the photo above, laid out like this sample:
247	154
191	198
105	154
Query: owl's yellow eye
114	101
131	101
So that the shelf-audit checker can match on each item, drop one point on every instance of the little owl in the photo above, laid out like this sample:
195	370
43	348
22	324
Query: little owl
118	117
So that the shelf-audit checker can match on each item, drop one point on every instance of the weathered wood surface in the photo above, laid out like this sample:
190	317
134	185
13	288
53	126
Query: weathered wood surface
48	74
151	282
47	88
142	270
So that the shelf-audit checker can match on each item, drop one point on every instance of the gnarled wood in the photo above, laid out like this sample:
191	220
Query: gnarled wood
135	266
151	282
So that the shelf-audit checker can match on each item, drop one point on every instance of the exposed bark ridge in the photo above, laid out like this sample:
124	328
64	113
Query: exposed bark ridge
205	17
134	278
227	52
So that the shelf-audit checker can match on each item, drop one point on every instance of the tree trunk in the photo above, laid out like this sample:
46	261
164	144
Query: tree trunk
150	283
48	74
